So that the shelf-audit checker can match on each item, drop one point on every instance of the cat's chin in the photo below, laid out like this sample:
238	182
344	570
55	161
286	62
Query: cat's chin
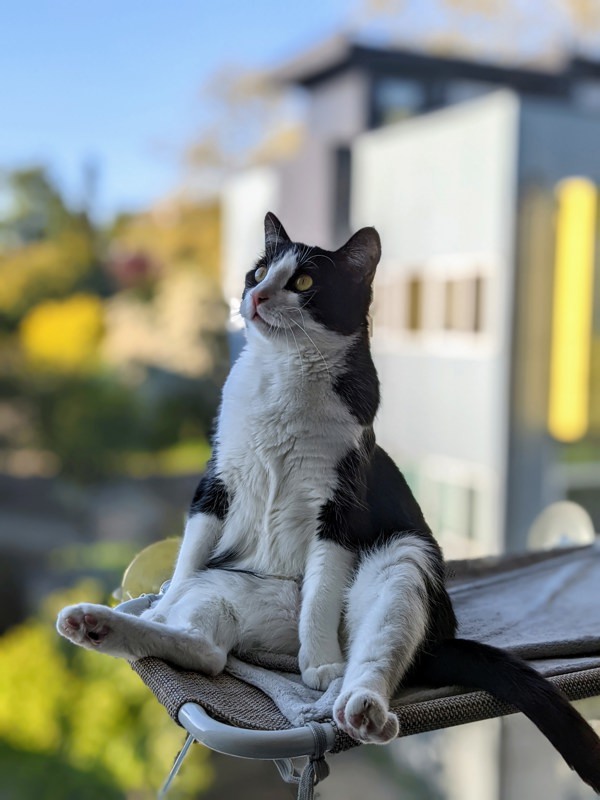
267	329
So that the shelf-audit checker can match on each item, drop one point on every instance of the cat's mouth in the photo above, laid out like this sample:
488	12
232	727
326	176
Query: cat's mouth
263	323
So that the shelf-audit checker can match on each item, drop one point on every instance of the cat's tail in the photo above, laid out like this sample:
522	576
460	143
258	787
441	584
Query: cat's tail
508	678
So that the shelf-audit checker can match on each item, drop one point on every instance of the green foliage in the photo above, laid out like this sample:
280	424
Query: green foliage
26	775
97	425
47	250
110	369
182	235
74	723
88	421
37	211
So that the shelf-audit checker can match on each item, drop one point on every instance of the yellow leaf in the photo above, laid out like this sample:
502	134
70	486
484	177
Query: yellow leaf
63	334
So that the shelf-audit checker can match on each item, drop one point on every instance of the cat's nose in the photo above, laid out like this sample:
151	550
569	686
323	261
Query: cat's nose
259	298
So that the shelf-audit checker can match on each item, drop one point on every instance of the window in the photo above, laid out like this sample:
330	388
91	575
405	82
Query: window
414	304
478	299
587	94
460	91
341	192
463	298
395	99
443	302
398	304
457	514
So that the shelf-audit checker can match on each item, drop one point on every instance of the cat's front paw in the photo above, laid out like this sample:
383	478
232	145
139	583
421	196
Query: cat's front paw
320	677
85	624
364	715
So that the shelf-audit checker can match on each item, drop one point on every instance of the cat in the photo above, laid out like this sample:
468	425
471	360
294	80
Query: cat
304	538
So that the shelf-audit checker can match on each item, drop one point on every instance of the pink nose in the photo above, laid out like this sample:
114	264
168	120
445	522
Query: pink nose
257	299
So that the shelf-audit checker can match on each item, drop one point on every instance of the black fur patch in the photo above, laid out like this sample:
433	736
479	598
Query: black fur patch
226	559
336	299
211	496
345	518
358	386
372	502
392	505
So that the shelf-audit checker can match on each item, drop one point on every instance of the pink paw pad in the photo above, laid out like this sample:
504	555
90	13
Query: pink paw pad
364	716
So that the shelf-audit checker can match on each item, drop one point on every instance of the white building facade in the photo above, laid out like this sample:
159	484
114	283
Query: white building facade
441	190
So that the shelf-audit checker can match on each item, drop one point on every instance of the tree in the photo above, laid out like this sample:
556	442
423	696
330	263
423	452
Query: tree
530	31
78	724
47	250
252	120
37	210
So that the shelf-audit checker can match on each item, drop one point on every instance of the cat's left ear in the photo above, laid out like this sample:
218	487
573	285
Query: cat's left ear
362	253
275	234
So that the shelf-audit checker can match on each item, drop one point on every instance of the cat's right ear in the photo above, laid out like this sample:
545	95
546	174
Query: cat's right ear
275	234
362	253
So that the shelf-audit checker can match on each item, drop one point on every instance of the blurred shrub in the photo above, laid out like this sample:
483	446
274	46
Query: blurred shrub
88	421
49	268
112	342
98	425
177	233
47	250
63	334
75	724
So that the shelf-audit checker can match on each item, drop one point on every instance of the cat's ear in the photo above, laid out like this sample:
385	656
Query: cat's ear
275	234
362	253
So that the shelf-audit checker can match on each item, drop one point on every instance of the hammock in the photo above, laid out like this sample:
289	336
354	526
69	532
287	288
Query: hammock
545	607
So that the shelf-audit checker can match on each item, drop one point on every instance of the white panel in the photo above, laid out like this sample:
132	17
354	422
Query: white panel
441	188
245	200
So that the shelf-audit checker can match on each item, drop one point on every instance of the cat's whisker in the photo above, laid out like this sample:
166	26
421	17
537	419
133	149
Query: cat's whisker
327	258
299	355
311	340
304	324
301	254
289	358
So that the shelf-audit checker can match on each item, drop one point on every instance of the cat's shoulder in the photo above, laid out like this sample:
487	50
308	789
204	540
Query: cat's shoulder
357	383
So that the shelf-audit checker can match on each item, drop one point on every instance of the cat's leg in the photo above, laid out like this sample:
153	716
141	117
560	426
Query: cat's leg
200	536
328	570
202	531
387	617
105	630
265	611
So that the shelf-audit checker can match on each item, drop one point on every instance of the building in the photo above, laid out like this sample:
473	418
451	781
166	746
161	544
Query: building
482	181
458	164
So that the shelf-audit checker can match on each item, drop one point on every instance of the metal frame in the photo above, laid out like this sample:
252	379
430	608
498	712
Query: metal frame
281	747
309	741
245	743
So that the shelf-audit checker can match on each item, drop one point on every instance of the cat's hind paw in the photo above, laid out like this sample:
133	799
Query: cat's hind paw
85	624
320	677
364	716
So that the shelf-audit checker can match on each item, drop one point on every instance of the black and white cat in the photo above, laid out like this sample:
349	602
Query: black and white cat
303	536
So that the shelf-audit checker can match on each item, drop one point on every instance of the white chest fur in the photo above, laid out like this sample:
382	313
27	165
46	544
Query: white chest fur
282	431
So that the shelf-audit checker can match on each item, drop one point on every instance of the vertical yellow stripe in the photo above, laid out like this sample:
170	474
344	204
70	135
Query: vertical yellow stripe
568	413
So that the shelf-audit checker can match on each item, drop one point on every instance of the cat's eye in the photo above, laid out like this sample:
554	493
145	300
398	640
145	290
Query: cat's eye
303	282
260	274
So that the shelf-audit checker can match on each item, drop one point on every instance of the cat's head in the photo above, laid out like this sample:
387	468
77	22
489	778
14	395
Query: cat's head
299	290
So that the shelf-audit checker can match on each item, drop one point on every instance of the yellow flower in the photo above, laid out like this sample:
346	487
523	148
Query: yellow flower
63	334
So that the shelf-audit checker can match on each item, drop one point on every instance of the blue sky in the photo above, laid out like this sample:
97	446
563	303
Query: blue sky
119	80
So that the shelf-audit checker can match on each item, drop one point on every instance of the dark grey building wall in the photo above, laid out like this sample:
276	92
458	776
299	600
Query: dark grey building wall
555	141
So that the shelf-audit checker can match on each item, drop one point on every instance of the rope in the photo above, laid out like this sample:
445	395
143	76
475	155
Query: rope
316	769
